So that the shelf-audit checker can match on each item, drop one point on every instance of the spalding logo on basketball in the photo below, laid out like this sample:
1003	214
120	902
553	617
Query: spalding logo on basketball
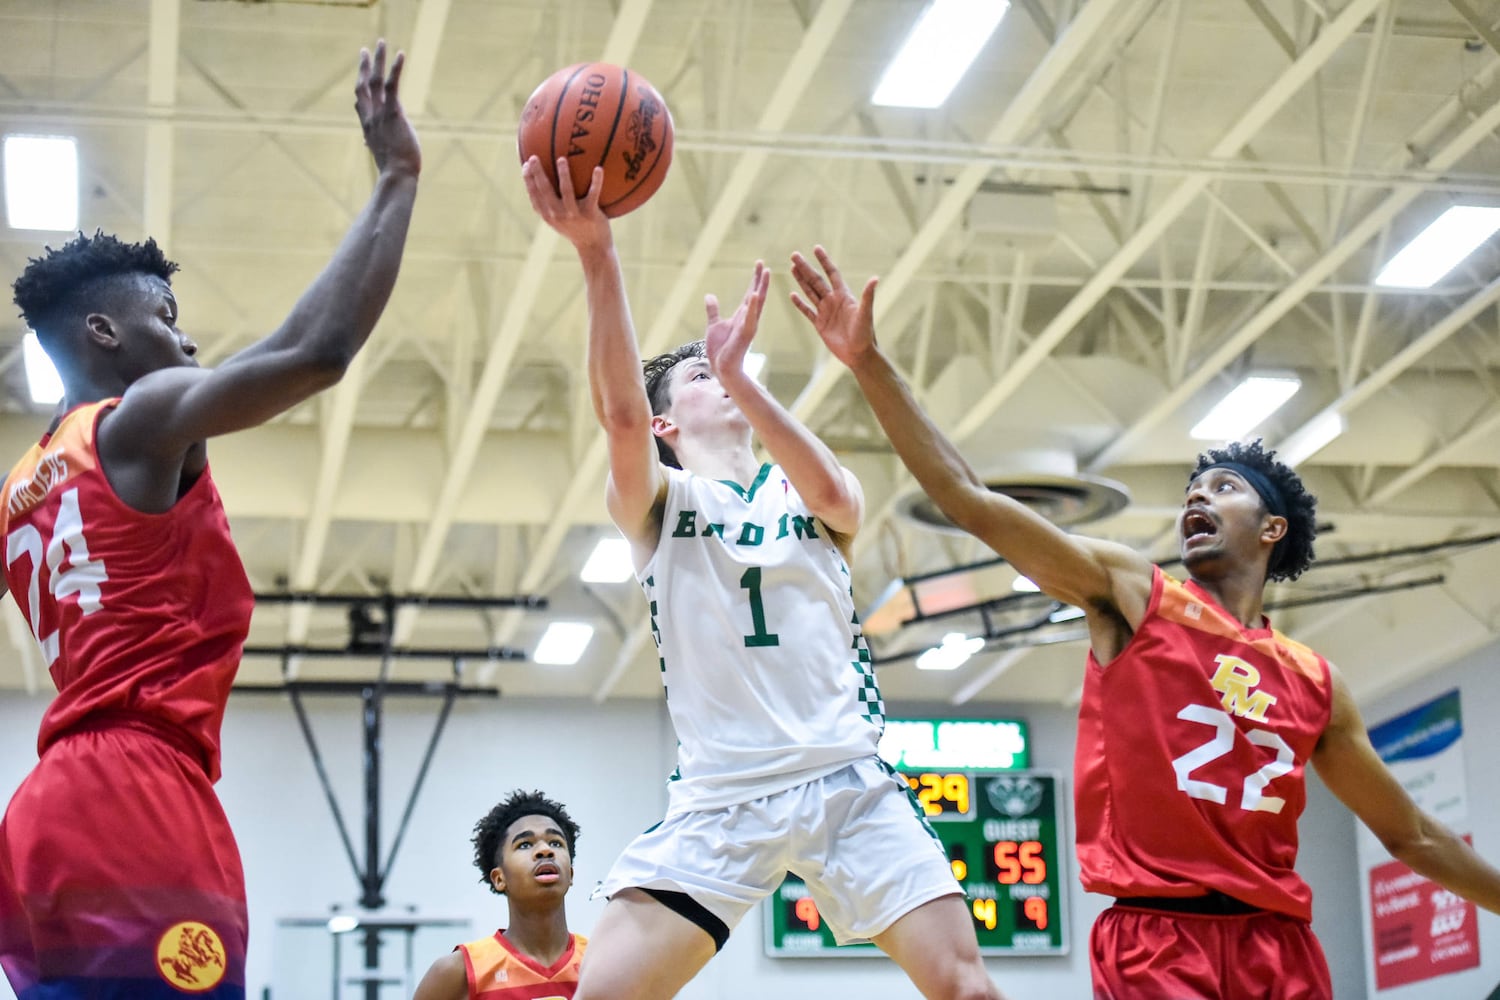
596	114
190	957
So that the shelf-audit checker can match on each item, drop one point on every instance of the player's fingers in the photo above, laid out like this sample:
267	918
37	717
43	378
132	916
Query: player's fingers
565	184
596	187
755	282
537	187
806	277
803	308
378	71
835	280
867	300
756	298
711	306
362	82
393	82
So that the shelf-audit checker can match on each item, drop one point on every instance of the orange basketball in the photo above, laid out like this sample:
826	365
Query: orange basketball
596	114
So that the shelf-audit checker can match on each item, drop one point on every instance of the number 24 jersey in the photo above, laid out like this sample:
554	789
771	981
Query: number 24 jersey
133	612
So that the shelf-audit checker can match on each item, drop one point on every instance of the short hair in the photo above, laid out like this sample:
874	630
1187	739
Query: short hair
1294	553
64	280
489	832
659	387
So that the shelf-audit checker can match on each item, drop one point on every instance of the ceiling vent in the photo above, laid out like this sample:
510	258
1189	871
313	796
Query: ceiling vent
1046	479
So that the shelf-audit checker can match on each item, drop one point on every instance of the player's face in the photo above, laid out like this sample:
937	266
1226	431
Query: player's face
534	860
149	339
1222	518
698	400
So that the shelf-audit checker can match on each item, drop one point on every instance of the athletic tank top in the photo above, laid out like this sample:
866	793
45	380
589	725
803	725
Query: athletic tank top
1191	751
497	971
768	678
140	616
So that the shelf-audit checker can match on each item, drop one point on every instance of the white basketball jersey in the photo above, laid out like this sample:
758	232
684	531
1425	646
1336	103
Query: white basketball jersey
768	678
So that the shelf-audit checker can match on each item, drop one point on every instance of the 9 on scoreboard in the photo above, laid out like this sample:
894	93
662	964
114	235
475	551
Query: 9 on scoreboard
1001	832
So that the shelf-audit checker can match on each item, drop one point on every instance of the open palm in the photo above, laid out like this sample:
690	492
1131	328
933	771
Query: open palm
845	324
728	338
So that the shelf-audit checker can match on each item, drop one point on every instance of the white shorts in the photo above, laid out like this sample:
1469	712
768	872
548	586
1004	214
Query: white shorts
857	837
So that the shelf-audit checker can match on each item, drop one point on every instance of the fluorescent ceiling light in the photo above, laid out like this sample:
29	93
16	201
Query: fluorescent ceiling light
956	648
342	924
1066	613
41	182
1312	438
1437	249
936	54
1247	404
1025	585
755	363
563	643
41	376
608	563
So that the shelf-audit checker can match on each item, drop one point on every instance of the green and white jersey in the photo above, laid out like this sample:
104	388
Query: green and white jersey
768	678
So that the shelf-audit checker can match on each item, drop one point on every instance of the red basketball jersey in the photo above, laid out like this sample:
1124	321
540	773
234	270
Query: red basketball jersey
497	971
138	613
1191	748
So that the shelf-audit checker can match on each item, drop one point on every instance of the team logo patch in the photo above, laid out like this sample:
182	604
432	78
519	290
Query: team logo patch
190	957
1014	796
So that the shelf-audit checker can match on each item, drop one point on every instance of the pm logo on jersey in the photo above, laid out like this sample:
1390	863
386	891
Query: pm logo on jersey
190	957
1235	680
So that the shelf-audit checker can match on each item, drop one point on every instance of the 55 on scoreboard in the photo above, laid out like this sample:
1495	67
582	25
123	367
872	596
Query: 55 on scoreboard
1001	830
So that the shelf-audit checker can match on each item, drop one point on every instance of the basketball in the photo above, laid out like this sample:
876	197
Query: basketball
596	114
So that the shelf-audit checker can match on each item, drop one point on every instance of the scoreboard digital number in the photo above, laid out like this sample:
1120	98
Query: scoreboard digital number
1001	832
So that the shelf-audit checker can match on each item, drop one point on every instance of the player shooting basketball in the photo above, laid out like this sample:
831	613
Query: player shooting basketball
768	679
119	877
1197	717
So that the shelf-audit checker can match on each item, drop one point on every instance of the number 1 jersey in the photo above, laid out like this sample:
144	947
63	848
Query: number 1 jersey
768	679
1191	751
137	613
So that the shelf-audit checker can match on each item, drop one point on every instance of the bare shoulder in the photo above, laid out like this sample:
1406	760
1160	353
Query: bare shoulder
135	424
447	979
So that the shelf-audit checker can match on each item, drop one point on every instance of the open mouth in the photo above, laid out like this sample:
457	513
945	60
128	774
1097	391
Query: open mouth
547	872
1197	524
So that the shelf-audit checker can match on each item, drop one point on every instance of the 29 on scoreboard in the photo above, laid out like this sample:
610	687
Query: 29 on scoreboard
1001	832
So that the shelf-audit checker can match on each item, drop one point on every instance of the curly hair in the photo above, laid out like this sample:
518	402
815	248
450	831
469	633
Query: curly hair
1294	553
67	279
490	831
659	387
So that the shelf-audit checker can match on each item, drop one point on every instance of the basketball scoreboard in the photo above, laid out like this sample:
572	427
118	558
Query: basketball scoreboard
999	822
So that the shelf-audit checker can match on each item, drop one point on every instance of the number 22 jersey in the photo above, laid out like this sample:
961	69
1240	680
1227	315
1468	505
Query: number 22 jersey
136	613
1192	745
768	679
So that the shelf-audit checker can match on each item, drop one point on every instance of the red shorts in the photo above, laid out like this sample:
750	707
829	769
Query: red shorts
119	876
1137	954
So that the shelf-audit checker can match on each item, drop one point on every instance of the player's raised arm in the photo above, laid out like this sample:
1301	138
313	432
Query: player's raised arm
830	491
616	384
167	411
1353	771
1090	573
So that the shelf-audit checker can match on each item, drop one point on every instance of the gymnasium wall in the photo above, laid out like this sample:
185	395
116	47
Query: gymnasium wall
607	763
1477	679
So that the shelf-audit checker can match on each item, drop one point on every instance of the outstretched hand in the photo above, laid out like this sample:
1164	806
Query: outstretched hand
728	337
580	221
388	133
846	324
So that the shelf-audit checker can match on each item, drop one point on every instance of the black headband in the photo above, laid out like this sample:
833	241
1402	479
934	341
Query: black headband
1259	482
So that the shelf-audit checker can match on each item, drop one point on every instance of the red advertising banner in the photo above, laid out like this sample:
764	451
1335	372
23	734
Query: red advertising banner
1421	930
